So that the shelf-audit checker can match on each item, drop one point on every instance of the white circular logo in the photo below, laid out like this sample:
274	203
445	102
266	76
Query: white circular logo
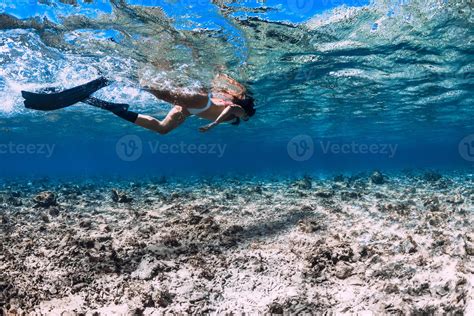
129	148
466	148
300	148
300	6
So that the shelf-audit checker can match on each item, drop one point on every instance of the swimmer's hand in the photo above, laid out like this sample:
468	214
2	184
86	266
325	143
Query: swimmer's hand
207	127
233	109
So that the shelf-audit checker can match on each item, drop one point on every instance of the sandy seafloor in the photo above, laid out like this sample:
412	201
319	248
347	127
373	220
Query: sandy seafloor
239	245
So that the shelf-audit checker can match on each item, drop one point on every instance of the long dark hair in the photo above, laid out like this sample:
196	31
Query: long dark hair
248	104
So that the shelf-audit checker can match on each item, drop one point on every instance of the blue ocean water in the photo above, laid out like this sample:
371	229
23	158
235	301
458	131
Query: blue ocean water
340	86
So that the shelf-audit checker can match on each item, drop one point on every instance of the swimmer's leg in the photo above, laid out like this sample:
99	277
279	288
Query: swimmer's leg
175	117
119	109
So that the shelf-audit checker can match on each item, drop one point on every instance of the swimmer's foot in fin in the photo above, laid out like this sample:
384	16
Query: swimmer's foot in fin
109	106
119	109
49	99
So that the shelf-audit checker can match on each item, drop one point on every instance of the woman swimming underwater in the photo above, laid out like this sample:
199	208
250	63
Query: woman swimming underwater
217	104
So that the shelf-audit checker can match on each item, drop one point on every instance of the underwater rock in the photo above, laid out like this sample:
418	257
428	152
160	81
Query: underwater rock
147	269
418	288
201	209
14	201
442	290
339	178
171	241
379	195
198	297
194	219
120	197
350	195
209	224
399	208
258	189
45	199
229	195
146	229
45	218
358	179
324	194
85	223
456	199
310	225
469	243
391	288
275	309
233	230
343	270
377	177
87	243
15	194
54	211
72	190
78	287
208	275
326	256
413	243
304	184
432	176
163	298
432	203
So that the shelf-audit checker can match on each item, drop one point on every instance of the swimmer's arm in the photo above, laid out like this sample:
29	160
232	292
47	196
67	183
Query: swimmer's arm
228	111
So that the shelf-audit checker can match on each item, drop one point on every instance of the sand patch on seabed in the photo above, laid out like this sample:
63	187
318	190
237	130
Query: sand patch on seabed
217	246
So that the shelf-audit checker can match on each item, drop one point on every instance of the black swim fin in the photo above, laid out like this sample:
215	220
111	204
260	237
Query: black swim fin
45	101
106	105
119	109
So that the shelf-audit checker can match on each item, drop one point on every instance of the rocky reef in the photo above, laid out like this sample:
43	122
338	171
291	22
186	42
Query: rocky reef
389	244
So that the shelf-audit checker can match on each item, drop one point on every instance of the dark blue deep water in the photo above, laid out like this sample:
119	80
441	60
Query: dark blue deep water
341	86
